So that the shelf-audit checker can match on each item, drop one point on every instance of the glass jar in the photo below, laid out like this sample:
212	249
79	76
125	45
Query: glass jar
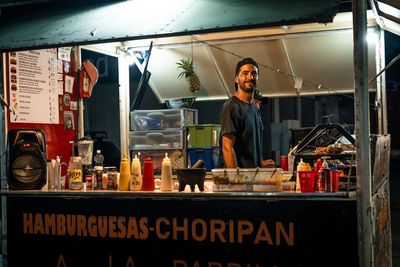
112	177
75	173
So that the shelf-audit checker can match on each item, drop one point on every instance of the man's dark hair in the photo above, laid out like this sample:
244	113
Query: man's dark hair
245	61
242	62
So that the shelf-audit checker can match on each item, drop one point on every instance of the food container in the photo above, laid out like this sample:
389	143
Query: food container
204	135
261	179
144	120
208	154
157	139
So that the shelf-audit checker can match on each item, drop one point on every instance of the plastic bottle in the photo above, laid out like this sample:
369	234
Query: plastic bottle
136	175
98	170
75	173
98	158
148	175
57	176
324	177
50	174
90	179
98	178
166	174
301	166
124	174
317	167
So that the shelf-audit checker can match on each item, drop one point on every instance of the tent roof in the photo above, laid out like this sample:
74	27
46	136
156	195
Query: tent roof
63	23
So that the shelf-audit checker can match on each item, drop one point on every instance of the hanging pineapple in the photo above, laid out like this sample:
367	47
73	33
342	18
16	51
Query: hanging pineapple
188	72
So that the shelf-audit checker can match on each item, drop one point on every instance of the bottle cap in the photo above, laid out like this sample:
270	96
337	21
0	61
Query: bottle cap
98	168
166	157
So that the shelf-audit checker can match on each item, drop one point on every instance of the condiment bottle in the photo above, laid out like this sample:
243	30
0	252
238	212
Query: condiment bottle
75	173
317	167
148	175
124	174
301	166
98	171
50	174
166	174
57	181
110	178
324	177
136	174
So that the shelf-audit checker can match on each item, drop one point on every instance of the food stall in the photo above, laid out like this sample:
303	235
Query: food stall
225	228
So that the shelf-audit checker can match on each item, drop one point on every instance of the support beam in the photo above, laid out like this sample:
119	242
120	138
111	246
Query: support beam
124	105
362	131
217	69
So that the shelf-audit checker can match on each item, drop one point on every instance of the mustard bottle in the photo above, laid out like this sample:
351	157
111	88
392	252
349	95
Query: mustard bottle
301	166
125	174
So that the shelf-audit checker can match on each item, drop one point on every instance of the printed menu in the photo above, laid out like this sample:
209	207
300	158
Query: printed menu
34	86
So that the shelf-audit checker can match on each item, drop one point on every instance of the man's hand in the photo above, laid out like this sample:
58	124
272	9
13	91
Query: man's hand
267	163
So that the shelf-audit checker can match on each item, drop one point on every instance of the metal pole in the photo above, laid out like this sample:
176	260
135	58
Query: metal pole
3	173
81	127
379	66
362	131
123	76
382	81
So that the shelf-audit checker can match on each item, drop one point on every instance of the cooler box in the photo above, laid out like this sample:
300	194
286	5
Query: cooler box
208	154
204	135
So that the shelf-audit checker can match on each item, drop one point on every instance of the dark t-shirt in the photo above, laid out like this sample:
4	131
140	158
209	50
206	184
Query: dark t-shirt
244	121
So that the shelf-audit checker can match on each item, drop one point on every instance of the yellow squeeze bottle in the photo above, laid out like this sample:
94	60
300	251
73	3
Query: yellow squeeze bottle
301	166
125	174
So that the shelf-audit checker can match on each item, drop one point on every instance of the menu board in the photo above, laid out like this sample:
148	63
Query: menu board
34	77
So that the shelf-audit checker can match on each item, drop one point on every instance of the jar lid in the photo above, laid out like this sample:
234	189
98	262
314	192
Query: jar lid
110	168
75	158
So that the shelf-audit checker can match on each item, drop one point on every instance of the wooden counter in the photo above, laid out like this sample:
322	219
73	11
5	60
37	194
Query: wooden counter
103	228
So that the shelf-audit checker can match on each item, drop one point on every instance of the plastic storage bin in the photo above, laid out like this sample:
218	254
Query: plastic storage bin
203	135
162	139
208	154
145	120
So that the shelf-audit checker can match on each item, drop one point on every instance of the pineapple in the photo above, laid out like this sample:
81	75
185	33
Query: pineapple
188	72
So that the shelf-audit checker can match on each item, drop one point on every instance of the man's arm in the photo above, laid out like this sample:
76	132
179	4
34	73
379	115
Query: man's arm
228	140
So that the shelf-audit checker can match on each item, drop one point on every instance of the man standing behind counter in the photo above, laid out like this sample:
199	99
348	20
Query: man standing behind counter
241	124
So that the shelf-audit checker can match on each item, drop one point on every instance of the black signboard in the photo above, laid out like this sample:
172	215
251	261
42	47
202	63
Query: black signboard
121	231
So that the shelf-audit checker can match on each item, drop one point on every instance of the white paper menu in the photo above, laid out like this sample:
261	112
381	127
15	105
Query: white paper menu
33	86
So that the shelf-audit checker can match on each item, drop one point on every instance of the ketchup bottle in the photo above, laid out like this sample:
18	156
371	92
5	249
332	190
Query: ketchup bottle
148	175
324	177
317	167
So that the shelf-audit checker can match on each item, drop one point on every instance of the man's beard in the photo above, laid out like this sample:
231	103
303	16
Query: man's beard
247	89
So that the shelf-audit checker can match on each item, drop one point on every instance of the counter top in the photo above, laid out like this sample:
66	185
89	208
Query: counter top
182	195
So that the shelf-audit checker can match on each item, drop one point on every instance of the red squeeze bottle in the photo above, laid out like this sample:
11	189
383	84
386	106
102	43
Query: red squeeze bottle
317	167
148	175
